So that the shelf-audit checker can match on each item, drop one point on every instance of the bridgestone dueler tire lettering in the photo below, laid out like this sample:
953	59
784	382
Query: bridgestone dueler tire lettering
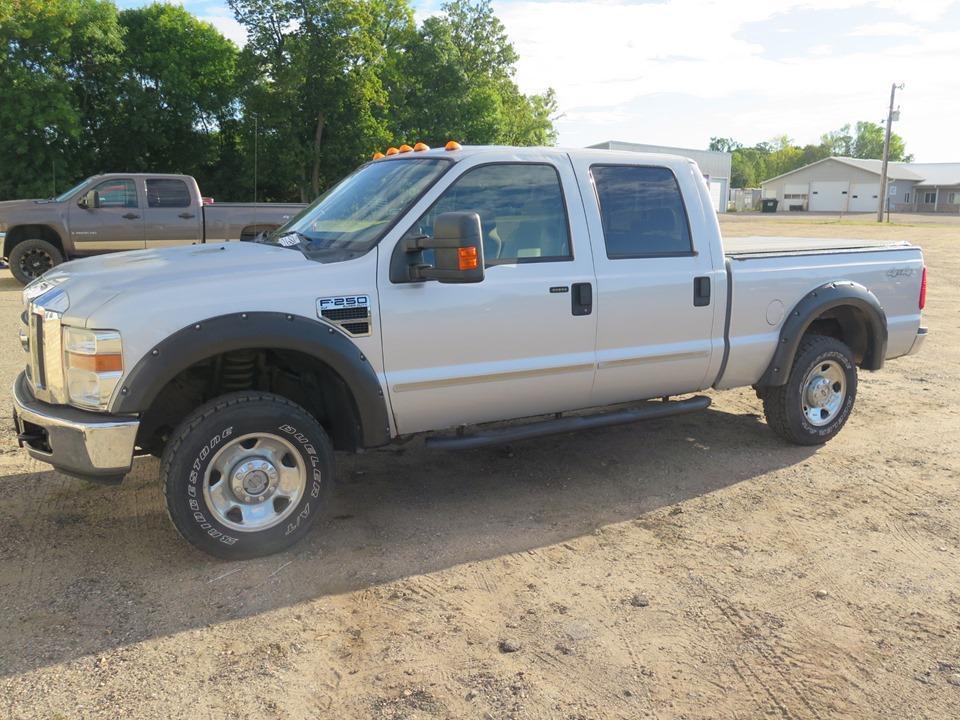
783	406
192	447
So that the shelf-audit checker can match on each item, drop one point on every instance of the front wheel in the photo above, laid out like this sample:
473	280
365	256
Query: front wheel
818	397
29	259
246	475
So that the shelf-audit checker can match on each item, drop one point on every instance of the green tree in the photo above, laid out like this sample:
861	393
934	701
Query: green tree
314	71
838	143
174	93
722	144
458	83
54	81
868	142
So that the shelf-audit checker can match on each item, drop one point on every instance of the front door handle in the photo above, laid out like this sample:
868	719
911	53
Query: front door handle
186	215
581	301
701	291
130	216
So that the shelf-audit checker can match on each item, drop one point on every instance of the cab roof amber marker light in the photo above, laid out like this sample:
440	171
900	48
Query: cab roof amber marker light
378	155
452	145
405	148
392	151
420	147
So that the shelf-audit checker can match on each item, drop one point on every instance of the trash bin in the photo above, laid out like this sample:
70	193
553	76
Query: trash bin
769	205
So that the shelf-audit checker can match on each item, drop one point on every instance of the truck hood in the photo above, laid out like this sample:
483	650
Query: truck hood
92	282
4	204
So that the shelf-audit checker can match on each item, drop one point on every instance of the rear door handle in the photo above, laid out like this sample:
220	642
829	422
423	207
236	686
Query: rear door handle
701	291
581	302
130	216
186	215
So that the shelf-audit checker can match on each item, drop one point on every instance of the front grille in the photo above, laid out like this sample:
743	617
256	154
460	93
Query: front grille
44	354
37	367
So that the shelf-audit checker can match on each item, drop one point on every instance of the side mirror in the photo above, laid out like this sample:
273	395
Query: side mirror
457	245
90	200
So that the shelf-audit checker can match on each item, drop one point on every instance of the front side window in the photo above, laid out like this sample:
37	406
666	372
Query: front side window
522	213
642	211
167	193
117	194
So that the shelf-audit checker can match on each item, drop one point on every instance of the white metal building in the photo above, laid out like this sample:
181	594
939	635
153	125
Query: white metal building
715	166
841	184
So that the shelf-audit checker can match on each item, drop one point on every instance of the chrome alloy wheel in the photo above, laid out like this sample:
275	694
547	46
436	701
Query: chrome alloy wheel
823	392
254	482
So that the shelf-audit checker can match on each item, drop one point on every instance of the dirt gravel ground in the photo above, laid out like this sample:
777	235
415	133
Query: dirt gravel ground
694	567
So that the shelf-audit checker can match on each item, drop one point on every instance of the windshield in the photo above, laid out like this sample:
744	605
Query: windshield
351	217
63	196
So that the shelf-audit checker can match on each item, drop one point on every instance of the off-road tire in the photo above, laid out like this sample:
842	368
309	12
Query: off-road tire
193	446
20	258
783	404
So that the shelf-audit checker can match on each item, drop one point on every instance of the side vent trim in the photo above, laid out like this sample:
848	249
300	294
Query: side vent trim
351	313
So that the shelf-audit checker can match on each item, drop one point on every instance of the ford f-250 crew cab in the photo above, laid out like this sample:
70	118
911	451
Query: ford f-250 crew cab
123	211
439	291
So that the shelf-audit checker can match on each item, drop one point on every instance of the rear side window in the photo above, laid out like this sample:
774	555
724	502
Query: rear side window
521	208
117	194
167	193
642	211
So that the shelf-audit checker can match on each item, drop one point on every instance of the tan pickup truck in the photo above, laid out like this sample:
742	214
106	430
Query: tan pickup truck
125	211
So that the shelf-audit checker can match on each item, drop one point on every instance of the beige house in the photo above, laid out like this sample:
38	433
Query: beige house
840	184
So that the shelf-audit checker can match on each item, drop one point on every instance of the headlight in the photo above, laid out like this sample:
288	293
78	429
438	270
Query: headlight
93	364
40	286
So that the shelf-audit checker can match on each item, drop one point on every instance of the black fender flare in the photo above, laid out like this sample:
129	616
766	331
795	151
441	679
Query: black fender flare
268	330
813	305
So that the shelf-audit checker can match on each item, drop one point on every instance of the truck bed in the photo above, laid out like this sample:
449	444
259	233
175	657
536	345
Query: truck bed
759	246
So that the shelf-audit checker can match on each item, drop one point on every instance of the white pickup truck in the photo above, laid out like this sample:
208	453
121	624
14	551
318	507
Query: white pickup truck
437	291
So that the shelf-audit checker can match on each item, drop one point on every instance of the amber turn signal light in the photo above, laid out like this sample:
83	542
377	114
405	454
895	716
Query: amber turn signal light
468	258
96	363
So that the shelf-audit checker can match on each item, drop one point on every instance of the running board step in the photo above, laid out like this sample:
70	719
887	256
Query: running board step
648	411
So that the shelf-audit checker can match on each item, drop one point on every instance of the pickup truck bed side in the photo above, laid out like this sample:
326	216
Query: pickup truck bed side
766	290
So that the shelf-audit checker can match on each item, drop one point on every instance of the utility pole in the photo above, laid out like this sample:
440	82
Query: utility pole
884	200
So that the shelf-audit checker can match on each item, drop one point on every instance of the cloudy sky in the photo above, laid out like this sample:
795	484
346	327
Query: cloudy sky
676	72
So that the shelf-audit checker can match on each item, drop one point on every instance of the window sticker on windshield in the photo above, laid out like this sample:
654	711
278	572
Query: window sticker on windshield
288	240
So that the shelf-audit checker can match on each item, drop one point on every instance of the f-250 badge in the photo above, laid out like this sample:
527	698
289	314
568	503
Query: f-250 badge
351	313
343	302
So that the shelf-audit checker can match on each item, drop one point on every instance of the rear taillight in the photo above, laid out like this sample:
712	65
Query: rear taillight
923	289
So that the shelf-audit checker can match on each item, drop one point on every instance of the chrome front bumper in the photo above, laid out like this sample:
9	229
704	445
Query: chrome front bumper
88	445
918	341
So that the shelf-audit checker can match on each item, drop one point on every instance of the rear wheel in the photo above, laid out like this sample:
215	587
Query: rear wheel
29	259
819	395
247	474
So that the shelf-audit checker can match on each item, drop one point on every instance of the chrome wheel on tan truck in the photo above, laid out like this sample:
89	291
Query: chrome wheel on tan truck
437	291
